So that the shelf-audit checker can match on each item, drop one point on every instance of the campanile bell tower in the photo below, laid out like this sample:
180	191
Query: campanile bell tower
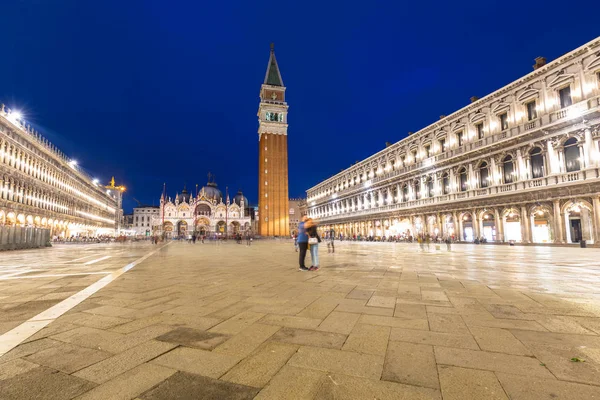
273	200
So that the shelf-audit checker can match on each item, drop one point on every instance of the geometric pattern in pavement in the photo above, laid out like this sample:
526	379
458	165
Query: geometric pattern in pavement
379	320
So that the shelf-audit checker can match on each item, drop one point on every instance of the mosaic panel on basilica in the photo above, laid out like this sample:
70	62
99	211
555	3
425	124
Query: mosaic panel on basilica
521	164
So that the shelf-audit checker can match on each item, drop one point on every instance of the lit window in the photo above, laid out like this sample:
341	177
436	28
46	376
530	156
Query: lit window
479	129
531	111
459	138
265	160
565	97
265	171
442	145
427	150
266	194
266	183
503	121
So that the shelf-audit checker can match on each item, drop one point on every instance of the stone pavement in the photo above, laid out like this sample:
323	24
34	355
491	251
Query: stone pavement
378	321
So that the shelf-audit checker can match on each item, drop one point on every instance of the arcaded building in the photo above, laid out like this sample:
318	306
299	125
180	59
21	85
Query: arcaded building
522	164
42	187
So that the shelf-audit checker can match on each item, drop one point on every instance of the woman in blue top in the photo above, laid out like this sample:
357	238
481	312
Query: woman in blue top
310	227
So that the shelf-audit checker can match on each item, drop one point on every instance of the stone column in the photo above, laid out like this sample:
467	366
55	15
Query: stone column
582	159
476	226
499	226
588	144
596	221
440	225
586	224
525	231
455	224
520	166
552	161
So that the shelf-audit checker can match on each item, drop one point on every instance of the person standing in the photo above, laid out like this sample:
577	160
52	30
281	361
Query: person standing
302	243
330	240
313	242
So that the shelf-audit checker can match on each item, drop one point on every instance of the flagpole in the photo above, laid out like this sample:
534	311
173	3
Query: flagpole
226	210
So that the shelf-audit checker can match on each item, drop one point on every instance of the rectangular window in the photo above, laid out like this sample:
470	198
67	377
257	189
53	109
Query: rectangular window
503	121
531	111
459	138
442	145
414	156
565	97
427	150
479	129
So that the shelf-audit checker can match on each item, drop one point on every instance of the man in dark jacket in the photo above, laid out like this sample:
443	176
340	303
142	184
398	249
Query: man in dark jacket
302	243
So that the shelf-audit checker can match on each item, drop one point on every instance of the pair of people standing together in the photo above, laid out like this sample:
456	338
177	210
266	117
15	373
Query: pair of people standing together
308	238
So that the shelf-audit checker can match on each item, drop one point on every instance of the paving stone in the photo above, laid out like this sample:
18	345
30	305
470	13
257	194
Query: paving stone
462	383
338	361
503	323
193	338
28	348
533	388
557	339
93	321
355	306
320	308
381	301
360	294
339	322
118	364
125	342
259	368
562	324
247	340
491	361
67	358
130	384
369	339
293	383
434	338
345	387
448	323
558	360
499	340
88	337
185	386
394	322
291	321
109	311
592	324
15	367
433	295
228	312
238	323
307	337
43	383
410	311
199	362
412	364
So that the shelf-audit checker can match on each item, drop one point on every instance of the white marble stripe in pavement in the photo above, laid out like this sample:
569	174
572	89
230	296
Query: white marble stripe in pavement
96	260
7	278
16	336
4	277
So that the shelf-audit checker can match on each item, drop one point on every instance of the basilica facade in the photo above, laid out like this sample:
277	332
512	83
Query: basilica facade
206	213
521	164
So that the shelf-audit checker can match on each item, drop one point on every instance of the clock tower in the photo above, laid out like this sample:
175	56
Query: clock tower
273	202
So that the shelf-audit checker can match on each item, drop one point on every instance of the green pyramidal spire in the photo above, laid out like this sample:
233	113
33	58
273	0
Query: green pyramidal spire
273	76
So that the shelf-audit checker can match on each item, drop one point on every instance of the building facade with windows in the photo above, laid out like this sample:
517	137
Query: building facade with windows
522	164
142	219
41	187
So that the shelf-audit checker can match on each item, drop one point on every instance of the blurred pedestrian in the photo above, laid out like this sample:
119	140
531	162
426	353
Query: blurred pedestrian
313	243
302	243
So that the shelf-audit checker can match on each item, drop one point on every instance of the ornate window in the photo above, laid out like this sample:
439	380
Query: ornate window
508	169
564	96
572	162
405	192
462	178
479	129
503	121
459	138
445	184
531	111
430	191
483	175
537	163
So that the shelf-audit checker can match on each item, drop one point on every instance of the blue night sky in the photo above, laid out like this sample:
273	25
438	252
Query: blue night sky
154	91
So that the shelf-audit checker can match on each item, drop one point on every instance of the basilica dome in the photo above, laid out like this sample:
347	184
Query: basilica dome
212	192
238	199
185	196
